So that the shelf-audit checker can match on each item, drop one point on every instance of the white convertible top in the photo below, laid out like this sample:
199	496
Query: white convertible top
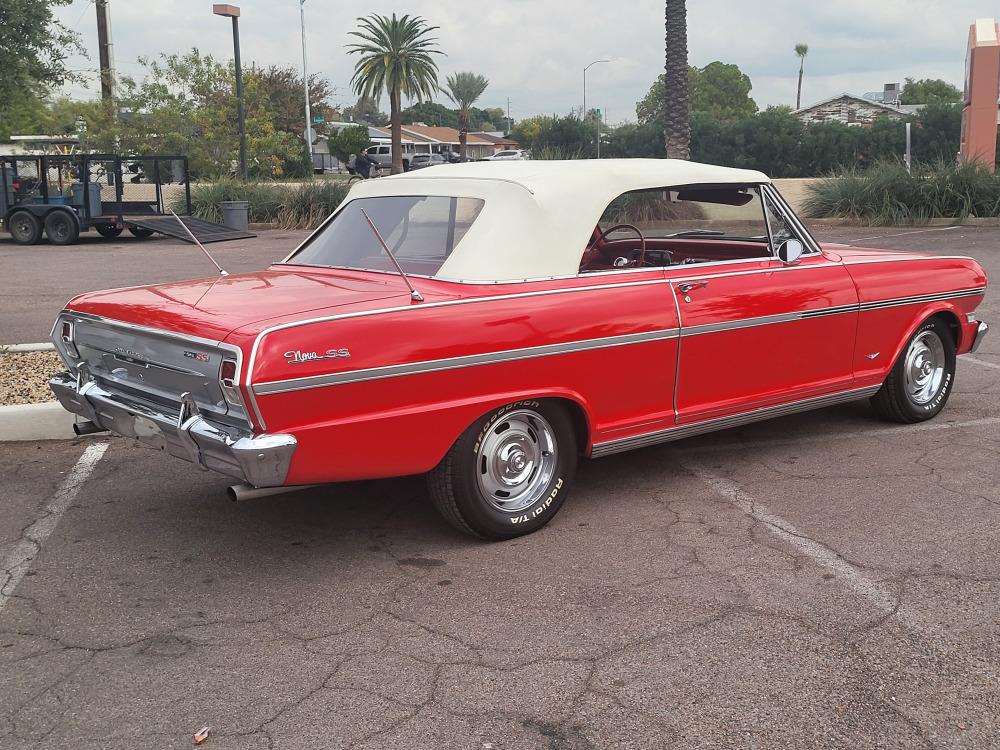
538	216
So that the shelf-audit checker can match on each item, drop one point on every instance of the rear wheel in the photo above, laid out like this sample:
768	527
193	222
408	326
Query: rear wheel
509	473
141	232
24	227
922	378
61	228
108	230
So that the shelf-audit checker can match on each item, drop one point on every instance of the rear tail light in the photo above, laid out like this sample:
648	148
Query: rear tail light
66	335
227	373
228	376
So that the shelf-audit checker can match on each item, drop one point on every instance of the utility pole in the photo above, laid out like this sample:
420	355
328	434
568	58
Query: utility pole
305	83
105	50
508	117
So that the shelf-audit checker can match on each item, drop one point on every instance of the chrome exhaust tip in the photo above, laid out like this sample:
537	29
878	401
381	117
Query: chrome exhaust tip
87	428
240	492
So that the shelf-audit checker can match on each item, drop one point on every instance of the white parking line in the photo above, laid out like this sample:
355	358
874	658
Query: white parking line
975	361
28	546
902	234
848	574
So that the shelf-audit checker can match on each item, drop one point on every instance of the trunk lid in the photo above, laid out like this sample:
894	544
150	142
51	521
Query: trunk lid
213	308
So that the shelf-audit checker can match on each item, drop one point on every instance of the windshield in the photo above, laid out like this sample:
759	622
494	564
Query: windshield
421	230
724	213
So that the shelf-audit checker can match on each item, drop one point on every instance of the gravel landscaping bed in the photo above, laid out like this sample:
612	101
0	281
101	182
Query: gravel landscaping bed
24	377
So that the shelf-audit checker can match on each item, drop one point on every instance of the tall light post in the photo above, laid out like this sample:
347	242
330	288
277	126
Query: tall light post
307	134
233	11
588	65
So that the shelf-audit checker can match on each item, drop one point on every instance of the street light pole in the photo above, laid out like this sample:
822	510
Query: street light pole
588	65
233	11
305	84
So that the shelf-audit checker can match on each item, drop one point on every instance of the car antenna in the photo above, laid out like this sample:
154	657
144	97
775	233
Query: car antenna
414	294
222	271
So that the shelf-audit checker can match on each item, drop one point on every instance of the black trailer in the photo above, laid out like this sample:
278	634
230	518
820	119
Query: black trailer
62	195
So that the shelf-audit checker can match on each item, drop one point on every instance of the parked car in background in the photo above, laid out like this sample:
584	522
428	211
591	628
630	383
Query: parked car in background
382	153
510	155
643	301
419	161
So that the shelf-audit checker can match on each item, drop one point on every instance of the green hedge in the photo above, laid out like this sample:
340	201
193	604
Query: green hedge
887	194
289	205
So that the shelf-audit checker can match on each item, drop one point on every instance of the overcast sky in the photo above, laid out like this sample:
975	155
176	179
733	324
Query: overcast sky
533	51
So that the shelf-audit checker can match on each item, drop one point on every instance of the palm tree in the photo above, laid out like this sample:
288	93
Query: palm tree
676	118
396	58
464	89
801	50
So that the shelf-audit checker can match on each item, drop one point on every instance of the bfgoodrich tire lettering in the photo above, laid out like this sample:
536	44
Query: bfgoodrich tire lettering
921	380
509	472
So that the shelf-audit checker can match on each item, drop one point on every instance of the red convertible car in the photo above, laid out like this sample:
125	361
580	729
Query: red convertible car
490	324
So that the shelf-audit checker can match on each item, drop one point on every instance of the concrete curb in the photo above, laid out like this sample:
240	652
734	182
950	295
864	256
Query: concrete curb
48	421
44	346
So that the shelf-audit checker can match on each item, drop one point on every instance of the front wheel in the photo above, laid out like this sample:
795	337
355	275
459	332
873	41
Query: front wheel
509	473
922	378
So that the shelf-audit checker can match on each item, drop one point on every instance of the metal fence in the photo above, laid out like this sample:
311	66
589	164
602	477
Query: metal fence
97	185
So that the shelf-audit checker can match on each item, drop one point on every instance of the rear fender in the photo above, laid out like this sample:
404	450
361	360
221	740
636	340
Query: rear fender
408	440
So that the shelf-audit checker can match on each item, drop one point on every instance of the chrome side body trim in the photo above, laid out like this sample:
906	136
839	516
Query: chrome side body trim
508	355
451	363
921	298
756	415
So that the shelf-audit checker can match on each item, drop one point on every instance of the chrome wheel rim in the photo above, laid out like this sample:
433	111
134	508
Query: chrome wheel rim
924	368
516	461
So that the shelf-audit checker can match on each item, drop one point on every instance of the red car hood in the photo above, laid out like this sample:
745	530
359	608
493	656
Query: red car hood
213	308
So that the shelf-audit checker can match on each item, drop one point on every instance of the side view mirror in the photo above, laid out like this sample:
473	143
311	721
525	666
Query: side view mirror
790	251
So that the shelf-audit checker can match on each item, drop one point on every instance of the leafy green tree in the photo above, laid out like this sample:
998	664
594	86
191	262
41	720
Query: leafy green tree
719	89
281	88
395	57
464	89
430	113
366	110
676	109
34	47
526	131
801	50
561	138
928	90
349	141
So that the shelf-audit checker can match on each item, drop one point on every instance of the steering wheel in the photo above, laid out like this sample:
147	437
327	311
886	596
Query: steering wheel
642	240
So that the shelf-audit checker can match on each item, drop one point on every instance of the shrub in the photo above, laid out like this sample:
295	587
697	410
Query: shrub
887	194
289	205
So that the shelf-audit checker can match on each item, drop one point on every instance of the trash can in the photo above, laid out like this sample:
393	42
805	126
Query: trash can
94	207
236	214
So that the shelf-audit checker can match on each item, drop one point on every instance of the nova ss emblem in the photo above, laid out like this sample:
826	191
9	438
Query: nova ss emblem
297	357
200	356
125	351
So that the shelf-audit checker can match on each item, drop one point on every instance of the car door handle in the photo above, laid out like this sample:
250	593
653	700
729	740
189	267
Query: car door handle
687	286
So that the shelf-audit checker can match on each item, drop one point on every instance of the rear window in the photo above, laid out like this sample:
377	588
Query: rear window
421	230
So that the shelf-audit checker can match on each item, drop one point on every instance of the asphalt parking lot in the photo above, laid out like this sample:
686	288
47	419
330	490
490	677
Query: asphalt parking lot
820	581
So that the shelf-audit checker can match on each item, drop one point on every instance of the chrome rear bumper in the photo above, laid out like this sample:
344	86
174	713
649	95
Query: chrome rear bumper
260	460
981	330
